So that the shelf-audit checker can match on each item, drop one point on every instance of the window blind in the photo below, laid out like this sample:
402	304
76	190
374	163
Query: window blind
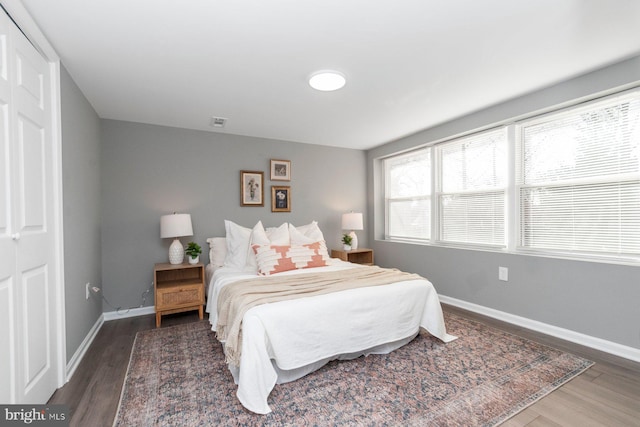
578	179
472	191
408	195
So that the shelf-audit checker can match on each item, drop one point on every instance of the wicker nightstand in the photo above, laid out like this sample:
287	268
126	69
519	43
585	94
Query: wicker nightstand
178	288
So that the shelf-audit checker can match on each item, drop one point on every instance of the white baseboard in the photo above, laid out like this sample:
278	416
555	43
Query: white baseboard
84	346
610	347
129	312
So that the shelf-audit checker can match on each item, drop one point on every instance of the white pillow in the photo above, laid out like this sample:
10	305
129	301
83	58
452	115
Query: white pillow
217	251
271	236
305	234
237	245
308	234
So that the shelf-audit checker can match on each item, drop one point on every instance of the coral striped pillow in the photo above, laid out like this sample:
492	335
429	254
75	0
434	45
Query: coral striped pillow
274	259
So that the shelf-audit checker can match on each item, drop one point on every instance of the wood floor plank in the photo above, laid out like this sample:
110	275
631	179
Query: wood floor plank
604	400
628	385
522	419
542	421
555	409
592	373
598	410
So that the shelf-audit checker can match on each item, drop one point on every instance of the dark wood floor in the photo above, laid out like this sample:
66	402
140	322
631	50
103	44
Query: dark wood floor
608	394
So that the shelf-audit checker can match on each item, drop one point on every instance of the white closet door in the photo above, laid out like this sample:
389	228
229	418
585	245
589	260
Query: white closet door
31	297
8	251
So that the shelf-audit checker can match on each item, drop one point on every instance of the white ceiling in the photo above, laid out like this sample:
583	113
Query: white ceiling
409	64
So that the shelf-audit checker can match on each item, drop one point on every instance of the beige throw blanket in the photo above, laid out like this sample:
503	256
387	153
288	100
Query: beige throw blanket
237	298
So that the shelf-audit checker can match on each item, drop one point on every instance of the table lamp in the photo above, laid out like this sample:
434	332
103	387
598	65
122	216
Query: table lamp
352	221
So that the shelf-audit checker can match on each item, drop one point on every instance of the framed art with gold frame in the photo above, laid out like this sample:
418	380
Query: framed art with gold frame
280	198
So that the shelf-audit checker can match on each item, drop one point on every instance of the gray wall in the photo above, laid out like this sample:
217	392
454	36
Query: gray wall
82	210
149	171
597	299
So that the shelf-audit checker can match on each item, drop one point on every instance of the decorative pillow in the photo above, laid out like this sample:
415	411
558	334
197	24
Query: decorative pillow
237	245
259	236
217	251
274	259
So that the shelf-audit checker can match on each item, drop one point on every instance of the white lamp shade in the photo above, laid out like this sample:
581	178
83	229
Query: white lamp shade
175	225
352	221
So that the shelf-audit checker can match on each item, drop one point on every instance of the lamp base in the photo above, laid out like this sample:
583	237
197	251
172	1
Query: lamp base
354	240
176	252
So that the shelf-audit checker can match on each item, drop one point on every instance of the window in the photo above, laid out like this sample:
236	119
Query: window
408	195
563	184
578	179
472	194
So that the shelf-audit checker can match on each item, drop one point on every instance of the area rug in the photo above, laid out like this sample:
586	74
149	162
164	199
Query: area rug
177	377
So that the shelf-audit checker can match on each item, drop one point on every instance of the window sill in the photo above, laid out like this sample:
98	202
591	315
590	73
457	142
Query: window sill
628	261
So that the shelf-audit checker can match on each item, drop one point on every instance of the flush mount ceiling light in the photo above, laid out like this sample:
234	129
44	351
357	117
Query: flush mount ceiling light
327	81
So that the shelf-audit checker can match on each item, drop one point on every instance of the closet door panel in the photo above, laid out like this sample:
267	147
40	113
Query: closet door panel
6	166
5	170
36	348
5	155
30	78
7	356
31	172
4	49
7	264
7	244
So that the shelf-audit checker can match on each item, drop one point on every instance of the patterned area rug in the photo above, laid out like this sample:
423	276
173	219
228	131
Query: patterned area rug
177	377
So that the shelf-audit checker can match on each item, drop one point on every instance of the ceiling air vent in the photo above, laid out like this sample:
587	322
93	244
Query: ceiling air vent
217	122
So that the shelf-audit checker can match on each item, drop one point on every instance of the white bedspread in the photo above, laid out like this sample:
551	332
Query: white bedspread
304	334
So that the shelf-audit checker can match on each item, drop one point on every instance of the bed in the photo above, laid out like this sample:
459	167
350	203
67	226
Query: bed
284	340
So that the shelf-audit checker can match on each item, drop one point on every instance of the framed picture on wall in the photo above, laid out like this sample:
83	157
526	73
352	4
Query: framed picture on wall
280	198
280	170
251	188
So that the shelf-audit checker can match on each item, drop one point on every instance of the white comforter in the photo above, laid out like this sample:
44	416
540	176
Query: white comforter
286	340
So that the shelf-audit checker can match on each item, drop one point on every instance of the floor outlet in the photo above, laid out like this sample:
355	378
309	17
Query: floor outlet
87	287
503	274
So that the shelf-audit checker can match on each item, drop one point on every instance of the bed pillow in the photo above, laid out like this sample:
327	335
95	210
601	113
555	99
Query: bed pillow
217	251
307	234
274	259
237	245
304	234
259	236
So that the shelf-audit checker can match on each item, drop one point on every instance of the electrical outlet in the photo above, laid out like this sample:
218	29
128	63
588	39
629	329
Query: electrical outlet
503	274
86	290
